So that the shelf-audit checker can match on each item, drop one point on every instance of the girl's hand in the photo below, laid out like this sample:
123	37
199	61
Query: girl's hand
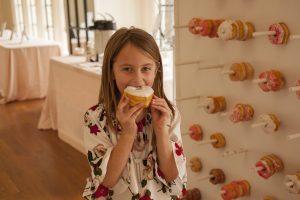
161	114
126	115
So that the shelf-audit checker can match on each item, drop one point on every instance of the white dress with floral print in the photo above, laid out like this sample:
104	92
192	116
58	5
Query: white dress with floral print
141	179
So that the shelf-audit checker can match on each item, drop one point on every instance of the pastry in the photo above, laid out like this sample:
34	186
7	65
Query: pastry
227	30
218	176
272	122
251	29
192	194
269	165
195	132
292	183
206	27
193	25
214	104
241	30
235	189
221	103
241	112
214	31
211	105
220	140
281	35
139	95
195	164
249	69
240	72
274	80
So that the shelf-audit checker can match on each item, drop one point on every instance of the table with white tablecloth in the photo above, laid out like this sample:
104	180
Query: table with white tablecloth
73	88
24	68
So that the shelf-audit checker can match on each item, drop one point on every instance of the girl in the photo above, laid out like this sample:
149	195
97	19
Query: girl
133	152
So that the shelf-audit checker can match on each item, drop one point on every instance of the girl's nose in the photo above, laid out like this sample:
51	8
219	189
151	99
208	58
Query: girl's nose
138	78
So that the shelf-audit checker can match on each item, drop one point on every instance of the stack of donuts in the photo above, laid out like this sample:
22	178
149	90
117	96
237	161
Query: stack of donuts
242	71
204	27
292	183
214	104
235	30
235	189
282	33
218	176
274	80
269	165
241	112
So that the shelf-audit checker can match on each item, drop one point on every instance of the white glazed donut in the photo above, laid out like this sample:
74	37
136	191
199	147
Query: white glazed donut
139	95
271	125
210	106
295	187
226	30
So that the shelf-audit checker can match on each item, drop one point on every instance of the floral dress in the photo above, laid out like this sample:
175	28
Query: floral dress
141	178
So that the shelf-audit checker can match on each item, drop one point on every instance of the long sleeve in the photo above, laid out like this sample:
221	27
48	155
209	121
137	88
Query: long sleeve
178	186
98	146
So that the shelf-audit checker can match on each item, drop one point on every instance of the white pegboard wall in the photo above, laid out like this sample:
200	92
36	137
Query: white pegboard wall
263	56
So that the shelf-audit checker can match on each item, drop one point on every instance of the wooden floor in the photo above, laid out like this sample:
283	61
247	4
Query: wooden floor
36	164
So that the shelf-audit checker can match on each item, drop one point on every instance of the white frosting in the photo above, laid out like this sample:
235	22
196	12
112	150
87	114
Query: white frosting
144	91
292	184
209	105
225	30
270	126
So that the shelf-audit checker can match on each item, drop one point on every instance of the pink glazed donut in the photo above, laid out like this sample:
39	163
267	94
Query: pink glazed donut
264	85
237	113
206	27
282	33
274	80
193	25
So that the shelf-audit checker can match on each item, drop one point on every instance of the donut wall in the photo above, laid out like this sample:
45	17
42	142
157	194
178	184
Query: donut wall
237	69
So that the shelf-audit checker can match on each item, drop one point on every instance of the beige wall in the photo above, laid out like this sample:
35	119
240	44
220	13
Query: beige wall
138	13
263	56
5	13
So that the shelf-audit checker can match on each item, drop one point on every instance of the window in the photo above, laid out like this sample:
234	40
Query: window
19	15
39	20
32	18
49	20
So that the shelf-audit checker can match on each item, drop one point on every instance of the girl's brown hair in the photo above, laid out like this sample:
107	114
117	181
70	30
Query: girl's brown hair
109	94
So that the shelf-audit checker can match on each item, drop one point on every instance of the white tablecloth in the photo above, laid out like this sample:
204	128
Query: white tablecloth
24	68
73	88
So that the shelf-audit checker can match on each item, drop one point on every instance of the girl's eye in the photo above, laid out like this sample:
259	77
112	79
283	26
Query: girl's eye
127	69
146	69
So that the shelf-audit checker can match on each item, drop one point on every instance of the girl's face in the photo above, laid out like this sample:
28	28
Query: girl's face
133	67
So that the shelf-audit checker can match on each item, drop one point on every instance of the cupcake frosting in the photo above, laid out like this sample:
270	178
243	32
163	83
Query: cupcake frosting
144	91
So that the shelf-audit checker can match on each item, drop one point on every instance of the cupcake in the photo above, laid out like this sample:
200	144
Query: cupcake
138	95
